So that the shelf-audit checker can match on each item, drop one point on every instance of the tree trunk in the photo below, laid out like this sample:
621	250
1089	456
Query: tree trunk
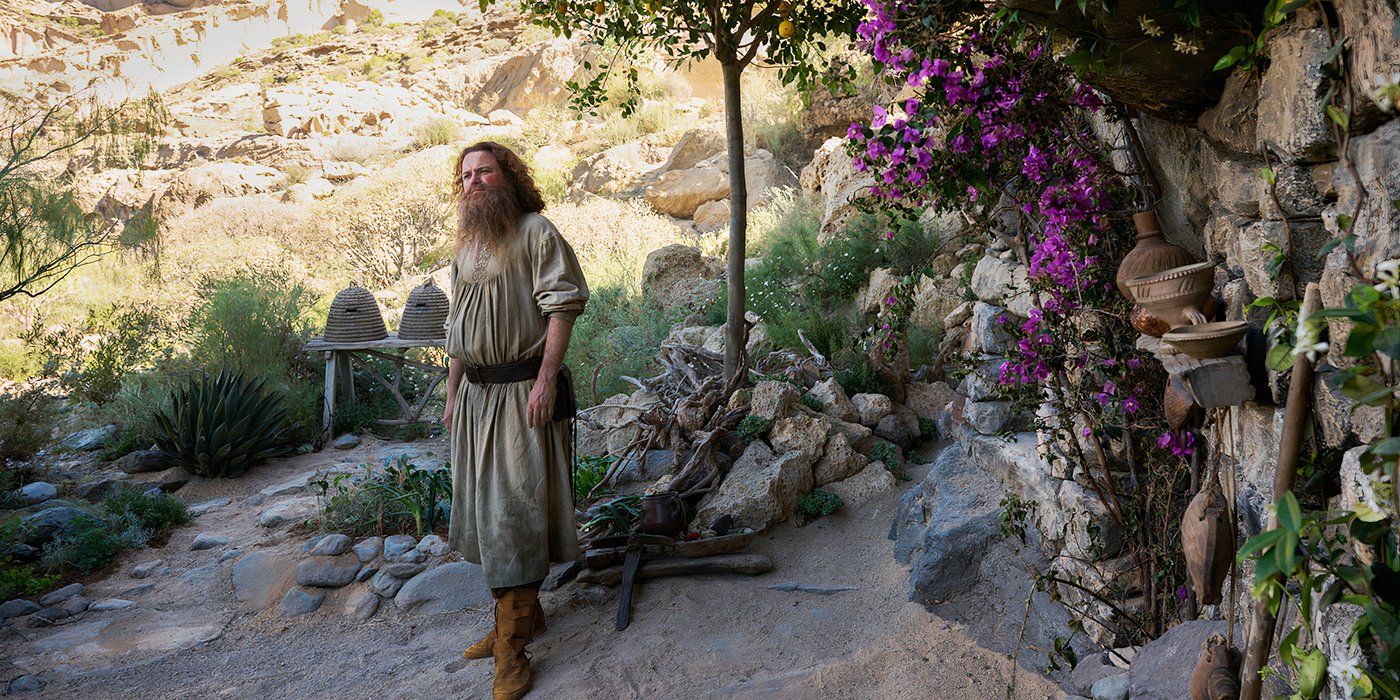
738	218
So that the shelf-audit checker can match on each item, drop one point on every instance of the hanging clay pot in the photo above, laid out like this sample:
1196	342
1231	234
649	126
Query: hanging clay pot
1151	255
1177	403
1207	542
1217	674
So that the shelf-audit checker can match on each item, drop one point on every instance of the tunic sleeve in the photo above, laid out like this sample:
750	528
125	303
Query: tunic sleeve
451	297
559	285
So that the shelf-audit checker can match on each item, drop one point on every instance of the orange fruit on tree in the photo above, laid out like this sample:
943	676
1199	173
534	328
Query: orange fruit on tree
786	29
599	8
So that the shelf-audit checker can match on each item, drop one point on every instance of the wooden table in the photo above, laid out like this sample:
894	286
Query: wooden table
341	357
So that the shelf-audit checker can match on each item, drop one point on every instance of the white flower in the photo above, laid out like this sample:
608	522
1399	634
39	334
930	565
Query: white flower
1149	26
1345	669
1307	340
1189	47
1388	278
1385	91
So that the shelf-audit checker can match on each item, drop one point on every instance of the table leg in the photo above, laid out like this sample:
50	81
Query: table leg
330	396
345	375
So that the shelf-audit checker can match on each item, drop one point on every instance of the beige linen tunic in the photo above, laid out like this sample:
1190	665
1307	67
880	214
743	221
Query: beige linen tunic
512	508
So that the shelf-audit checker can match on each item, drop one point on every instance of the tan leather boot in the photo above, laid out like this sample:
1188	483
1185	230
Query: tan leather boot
515	622
482	649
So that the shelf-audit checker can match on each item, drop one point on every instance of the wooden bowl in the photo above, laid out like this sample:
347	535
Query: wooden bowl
1207	340
708	546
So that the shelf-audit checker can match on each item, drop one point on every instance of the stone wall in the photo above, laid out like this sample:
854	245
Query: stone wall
1216	204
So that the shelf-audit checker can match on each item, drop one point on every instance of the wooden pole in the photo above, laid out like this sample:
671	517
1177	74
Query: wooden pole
1300	386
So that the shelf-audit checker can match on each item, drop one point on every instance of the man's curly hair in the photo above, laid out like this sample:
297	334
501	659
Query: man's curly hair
516	171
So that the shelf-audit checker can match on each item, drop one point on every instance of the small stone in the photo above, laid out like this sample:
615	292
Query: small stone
230	554
23	684
366	572
327	572
433	546
347	442
205	540
47	616
110	604
384	585
75	605
37	492
405	569
369	548
872	408
287	512
311	543
144	570
134	591
772	400
331	545
61	594
299	601
1110	688
203	507
18	607
398	547
447	588
361	605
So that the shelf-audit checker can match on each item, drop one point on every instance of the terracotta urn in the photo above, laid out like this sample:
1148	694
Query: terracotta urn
1207	340
1151	255
1177	296
1207	542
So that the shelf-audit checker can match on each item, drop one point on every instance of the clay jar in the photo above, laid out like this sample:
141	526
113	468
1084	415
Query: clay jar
1151	255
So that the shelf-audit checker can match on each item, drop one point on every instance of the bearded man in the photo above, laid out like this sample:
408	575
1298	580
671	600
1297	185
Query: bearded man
516	290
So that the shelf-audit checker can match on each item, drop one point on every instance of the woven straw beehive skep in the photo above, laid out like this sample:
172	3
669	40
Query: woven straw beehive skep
354	317
425	313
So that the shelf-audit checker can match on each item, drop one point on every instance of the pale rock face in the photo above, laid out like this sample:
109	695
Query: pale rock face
833	179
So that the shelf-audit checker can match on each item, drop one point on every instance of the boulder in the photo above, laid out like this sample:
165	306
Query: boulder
761	489
89	439
433	546
299	601
834	401
893	429
18	608
361	605
772	400
865	485
401	548
839	460
877	291
1292	122
49	523
694	147
680	277
1113	687
799	432
330	546
680	193
207	540
615	170
142	461
384	585
62	594
988	332
945	525
36	492
197	186
712	216
1162	668
260	578
537	77
288	512
872	408
448	588
833	180
327	572
369	548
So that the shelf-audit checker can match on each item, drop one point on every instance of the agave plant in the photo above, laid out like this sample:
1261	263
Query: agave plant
221	427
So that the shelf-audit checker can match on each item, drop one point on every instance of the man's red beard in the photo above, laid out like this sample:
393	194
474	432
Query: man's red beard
492	211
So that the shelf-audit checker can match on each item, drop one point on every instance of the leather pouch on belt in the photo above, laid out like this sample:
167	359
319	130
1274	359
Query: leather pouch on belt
565	402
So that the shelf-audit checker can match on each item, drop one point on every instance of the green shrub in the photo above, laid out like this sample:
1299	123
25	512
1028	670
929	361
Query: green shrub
375	19
811	402
754	428
435	132
134	407
927	428
354	417
886	453
588	471
294	174
620	331
253	321
856	374
156	512
27	417
89	543
223	427
819	503
90	360
23	580
403	498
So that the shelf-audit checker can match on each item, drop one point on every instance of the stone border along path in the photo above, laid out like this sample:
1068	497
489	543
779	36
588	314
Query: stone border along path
831	621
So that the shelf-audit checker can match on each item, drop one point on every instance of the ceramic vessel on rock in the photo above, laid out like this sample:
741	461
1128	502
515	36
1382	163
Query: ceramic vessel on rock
1207	340
1151	255
1176	295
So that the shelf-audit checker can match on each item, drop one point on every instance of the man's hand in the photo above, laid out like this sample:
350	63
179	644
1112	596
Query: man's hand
447	414
540	408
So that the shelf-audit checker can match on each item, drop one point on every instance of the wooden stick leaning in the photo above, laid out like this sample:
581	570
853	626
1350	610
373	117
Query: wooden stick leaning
1300	394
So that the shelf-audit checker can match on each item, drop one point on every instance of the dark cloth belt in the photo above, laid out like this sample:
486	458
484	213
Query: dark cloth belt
528	368
565	403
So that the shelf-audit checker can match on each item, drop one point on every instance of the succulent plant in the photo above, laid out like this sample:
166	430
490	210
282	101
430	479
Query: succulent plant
221	427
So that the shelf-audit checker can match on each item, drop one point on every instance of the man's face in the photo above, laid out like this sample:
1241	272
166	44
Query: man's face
480	170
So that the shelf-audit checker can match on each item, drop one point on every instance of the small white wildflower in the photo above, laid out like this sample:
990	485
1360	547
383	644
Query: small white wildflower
1385	91
1345	669
1307	340
1149	26
1186	46
1388	278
